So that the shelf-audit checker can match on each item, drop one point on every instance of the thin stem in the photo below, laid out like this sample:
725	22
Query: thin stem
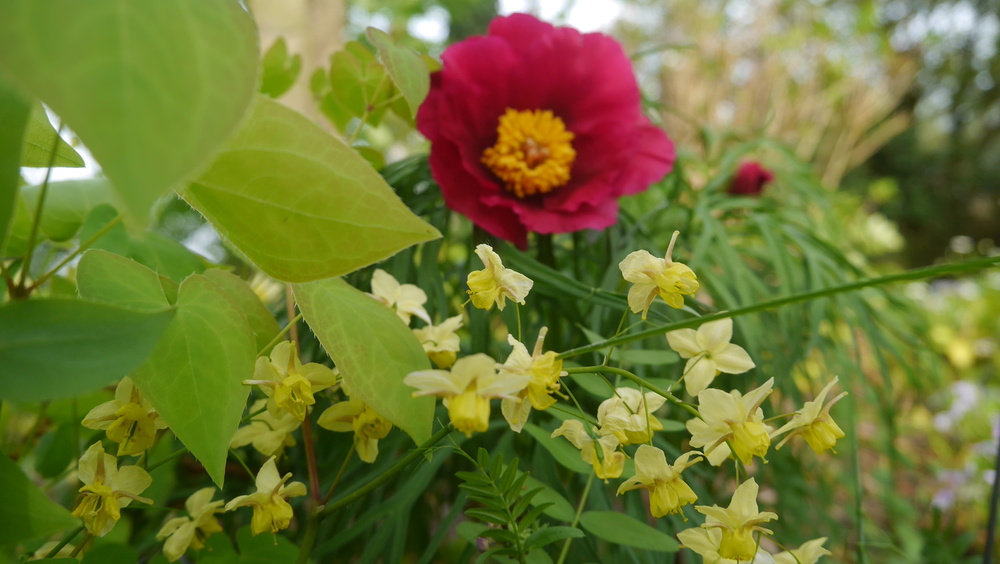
65	540
914	274
234	454
517	310
340	474
36	224
310	447
83	247
290	309
277	338
84	542
576	518
169	457
625	373
388	474
309	537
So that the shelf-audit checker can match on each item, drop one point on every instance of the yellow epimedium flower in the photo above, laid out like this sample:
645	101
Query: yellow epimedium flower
494	284
441	342
709	352
602	454
705	543
128	420
814	424
405	299
267	433
288	383
467	389
652	276
738	522
544	371
191	531
668	493
106	489
355	415
271	510
628	415
809	553
731	417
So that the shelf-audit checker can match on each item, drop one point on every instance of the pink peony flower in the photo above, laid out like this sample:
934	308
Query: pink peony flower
750	179
535	128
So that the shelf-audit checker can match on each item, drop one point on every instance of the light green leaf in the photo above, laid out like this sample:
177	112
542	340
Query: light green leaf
67	204
113	279
38	140
299	203
279	71
263	324
358	85
619	528
14	112
373	349
195	376
25	511
152	88
405	67
56	348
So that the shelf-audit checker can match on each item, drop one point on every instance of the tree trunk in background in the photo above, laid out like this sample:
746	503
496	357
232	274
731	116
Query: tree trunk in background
311	28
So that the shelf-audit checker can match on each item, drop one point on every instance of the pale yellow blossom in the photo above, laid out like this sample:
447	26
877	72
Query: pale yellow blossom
653	277
441	342
289	384
268	434
738	522
709	352
668	493
191	531
494	284
106	489
544	371
814	424
628	415
405	299
271	510
128	420
732	417
602	454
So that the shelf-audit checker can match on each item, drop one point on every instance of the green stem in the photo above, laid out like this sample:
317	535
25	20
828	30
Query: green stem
86	540
22	291
625	373
576	518
914	274
83	247
340	474
310	446
280	334
385	476
65	540
309	537
169	457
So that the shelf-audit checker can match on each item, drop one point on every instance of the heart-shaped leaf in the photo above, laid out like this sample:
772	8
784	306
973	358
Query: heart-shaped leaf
407	70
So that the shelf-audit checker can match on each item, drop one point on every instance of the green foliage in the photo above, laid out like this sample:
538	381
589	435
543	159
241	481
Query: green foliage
26	511
58	348
404	67
39	139
278	69
373	349
622	529
149	111
14	112
296	200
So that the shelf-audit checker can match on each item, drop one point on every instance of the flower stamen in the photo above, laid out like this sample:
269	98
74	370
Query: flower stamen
533	153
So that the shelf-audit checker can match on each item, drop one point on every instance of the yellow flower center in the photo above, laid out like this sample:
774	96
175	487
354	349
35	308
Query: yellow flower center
293	394
134	429
97	505
533	153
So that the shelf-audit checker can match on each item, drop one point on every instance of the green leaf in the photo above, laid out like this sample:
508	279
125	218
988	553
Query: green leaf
152	88
38	140
548	535
115	553
299	203
561	450
619	528
195	376
357	83
25	511
14	112
67	204
264	549
56	348
373	349
56	450
263	324
407	70
559	509
113	279
278	70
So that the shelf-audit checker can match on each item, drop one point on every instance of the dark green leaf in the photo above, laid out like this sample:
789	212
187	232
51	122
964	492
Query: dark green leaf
14	113
619	528
548	535
25	511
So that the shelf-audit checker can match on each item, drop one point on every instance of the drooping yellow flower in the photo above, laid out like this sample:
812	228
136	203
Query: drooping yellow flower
467	389
809	553
653	276
705	543
441	342
271	510
128	420
602	454
628	415
731	417
355	415
709	352
191	530
106	489
814	424
668	493
738	522
289	384
405	299
267	433
543	371
494	284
